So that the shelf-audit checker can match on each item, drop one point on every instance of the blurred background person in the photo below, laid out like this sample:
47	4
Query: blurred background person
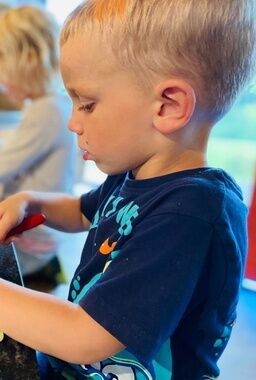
10	112
39	154
6	104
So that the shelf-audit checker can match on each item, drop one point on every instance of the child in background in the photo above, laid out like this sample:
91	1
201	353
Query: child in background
5	103
155	293
40	155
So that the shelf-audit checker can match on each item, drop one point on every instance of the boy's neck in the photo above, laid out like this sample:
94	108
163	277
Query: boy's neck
159	166
186	149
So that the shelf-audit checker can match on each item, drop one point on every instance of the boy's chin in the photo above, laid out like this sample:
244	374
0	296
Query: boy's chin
110	170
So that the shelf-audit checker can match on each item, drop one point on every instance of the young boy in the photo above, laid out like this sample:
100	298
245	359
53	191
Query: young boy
155	293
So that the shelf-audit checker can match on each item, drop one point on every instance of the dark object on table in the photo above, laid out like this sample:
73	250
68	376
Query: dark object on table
17	362
47	278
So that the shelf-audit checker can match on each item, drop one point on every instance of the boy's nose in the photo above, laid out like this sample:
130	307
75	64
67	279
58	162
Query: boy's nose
75	126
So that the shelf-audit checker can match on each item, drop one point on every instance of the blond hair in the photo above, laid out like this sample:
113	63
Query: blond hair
29	53
210	43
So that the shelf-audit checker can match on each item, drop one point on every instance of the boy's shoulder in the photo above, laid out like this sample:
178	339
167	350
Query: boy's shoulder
200	193
204	194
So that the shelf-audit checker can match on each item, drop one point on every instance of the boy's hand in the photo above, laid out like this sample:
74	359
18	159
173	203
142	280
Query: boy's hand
12	212
27	223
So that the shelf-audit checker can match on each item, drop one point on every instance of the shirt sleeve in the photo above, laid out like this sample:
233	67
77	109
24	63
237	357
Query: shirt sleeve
142	295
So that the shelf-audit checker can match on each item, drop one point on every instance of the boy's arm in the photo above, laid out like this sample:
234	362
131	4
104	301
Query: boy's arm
62	211
56	327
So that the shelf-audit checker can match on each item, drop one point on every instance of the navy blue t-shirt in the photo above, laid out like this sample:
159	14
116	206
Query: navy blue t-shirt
161	270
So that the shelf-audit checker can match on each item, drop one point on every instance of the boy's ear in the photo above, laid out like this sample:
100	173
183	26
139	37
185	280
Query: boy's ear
175	105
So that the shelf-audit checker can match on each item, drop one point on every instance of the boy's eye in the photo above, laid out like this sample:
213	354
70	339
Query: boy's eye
87	107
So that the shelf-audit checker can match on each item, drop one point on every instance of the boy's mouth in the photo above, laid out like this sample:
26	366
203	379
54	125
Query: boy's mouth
85	155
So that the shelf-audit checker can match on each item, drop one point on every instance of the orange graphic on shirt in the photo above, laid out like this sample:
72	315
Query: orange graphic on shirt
106	248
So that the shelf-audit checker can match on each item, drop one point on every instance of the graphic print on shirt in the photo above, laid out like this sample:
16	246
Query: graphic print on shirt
221	342
124	365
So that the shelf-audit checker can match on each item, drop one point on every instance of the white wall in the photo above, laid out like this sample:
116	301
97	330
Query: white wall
61	9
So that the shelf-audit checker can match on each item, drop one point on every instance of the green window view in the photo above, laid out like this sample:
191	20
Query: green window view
233	142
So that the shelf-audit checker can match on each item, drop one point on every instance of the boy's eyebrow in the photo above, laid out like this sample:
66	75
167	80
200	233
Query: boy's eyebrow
82	94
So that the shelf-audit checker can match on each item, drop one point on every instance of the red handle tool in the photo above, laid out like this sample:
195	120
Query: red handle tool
27	223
